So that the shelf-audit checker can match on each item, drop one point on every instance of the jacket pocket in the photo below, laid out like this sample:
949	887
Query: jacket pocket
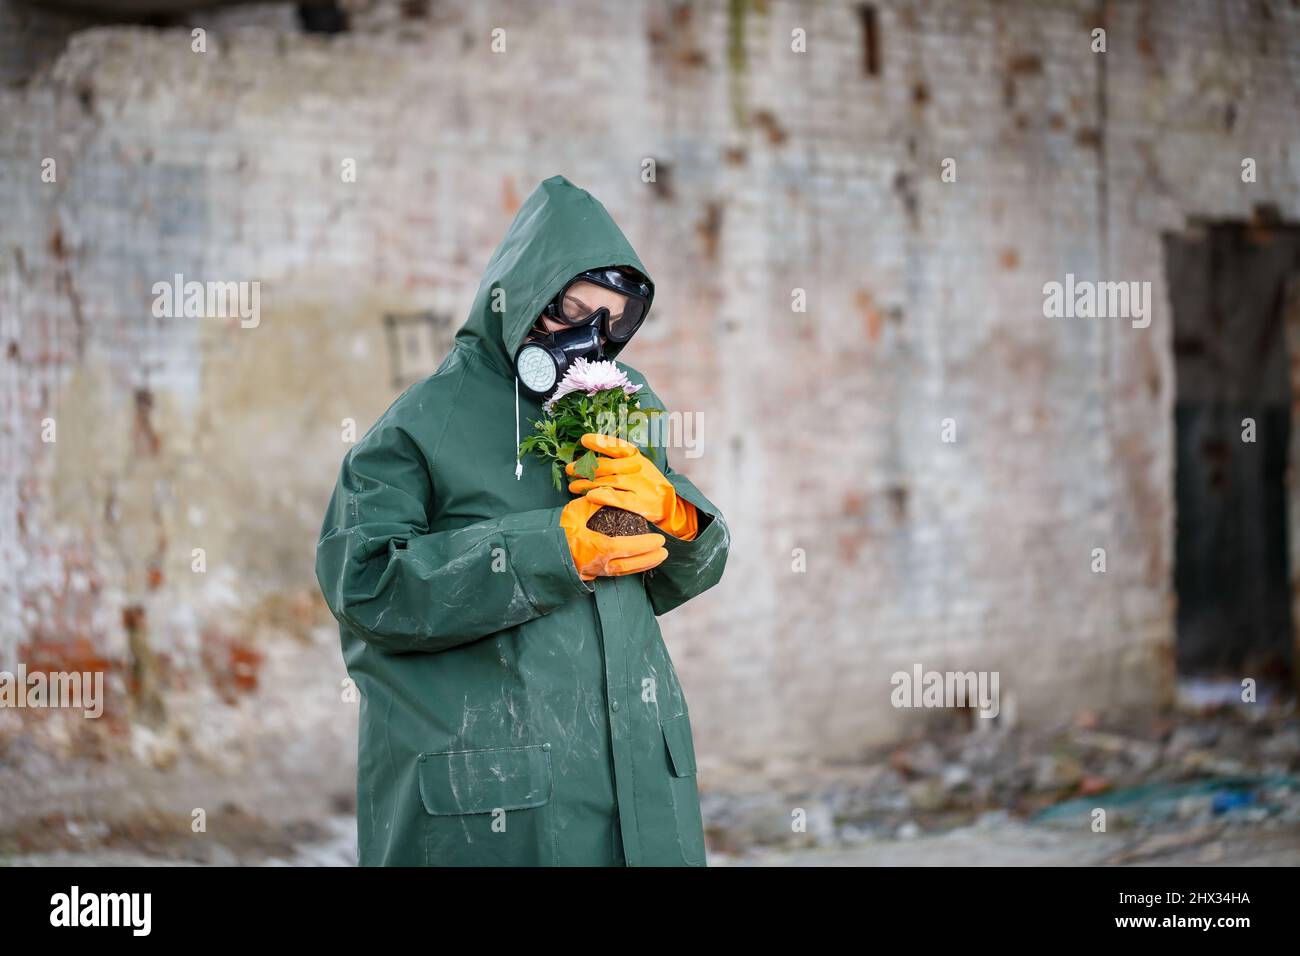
680	747
488	807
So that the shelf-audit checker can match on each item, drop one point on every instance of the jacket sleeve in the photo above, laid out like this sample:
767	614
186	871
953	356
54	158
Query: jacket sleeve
400	587
692	567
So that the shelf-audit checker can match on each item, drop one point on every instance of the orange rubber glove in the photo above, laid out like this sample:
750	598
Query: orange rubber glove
629	480
602	554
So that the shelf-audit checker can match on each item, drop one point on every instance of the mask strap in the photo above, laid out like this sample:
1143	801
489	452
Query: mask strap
519	462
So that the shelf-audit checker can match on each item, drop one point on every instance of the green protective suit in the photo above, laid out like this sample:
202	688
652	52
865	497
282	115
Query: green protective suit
511	713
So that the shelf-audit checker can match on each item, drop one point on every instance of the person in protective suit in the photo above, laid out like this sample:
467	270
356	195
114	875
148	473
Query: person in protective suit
518	706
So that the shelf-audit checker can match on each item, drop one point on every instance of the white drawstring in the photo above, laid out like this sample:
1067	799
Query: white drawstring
519	462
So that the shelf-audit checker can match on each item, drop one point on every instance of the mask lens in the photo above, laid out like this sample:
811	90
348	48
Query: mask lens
622	326
573	309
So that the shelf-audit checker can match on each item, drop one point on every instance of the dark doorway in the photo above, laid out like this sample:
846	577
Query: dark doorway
1230	286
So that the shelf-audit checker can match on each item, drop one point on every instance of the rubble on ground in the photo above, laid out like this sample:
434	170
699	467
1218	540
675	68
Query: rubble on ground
1162	778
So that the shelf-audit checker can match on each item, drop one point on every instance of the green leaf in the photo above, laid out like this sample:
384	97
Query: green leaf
555	475
586	465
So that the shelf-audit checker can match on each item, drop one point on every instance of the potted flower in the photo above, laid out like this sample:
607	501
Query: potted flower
592	397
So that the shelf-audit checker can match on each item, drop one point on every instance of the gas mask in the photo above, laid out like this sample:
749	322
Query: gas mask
540	363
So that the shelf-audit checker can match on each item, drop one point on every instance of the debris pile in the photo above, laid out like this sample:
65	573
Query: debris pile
1174	773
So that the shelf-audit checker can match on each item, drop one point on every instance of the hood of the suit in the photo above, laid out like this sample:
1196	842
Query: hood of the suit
559	231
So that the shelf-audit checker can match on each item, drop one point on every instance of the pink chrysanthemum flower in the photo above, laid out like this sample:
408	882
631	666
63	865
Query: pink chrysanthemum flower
591	377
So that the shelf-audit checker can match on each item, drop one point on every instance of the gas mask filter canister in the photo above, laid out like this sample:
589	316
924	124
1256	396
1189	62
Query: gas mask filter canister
541	363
